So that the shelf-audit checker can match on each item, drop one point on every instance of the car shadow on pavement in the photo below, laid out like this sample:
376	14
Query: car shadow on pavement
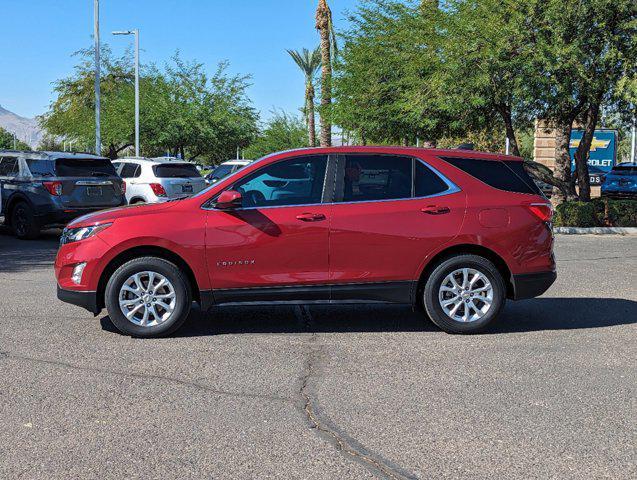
524	316
24	255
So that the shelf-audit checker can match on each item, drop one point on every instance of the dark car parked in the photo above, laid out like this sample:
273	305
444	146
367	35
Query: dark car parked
621	181
48	189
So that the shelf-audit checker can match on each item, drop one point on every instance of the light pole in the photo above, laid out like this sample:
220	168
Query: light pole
96	35
136	33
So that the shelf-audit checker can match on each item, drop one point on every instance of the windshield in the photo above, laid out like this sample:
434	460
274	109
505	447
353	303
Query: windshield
176	170
84	167
221	171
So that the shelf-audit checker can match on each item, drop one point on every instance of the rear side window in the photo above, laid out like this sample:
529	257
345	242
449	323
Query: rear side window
41	168
130	170
8	166
178	170
503	175
427	182
376	177
84	167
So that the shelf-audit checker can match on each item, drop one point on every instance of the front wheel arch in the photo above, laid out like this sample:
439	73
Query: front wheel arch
146	251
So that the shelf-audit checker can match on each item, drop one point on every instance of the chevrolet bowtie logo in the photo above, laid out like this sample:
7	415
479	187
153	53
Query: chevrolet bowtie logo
595	144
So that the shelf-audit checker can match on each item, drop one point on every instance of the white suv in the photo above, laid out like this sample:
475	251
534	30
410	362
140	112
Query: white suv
152	180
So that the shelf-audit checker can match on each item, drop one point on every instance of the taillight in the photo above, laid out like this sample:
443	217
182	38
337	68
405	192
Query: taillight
543	211
123	188
54	188
158	189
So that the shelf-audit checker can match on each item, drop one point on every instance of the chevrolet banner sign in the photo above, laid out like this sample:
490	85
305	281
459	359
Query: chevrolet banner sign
603	152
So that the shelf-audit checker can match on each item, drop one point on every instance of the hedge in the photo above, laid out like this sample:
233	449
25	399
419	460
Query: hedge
620	213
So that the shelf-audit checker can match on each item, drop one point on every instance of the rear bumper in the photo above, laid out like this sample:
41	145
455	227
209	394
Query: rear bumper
86	300
531	285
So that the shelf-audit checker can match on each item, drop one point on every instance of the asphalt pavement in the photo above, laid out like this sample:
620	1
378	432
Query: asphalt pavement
324	392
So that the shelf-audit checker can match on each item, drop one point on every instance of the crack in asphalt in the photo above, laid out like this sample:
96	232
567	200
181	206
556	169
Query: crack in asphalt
344	444
147	376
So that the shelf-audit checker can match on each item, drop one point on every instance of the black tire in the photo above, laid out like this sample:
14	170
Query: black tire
180	284
138	201
430	293
23	222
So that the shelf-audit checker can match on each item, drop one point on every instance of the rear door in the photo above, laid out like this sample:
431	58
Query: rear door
179	179
390	212
88	183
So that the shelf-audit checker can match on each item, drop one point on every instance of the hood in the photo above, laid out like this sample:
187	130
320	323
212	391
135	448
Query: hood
105	216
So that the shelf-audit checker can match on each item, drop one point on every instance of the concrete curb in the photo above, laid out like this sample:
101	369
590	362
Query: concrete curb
595	230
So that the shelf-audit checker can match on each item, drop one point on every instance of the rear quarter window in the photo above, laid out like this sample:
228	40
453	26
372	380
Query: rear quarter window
84	167
182	170
41	168
503	175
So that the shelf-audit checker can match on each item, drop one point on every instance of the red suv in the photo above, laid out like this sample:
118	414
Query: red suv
454	232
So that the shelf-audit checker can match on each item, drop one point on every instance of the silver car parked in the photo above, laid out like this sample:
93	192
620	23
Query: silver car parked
153	180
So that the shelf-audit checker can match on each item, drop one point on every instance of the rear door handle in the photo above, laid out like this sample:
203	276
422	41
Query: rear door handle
310	217
435	210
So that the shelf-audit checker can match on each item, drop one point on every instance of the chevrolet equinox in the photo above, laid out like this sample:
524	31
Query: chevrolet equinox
452	233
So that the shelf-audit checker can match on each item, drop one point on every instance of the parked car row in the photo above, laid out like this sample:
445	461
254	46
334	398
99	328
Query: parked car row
41	190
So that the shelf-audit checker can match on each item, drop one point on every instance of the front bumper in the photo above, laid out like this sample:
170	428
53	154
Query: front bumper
86	300
531	285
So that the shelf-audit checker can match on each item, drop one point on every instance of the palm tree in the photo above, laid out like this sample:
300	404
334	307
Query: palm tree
308	62
328	51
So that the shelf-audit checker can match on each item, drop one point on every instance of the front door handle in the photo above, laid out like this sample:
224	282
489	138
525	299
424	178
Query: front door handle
310	217
435	210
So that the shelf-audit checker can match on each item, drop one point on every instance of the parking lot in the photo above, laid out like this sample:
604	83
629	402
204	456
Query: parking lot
318	392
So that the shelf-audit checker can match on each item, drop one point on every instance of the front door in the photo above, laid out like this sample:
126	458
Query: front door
390	213
276	244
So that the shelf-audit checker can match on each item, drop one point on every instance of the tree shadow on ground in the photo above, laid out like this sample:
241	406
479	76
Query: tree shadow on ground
524	316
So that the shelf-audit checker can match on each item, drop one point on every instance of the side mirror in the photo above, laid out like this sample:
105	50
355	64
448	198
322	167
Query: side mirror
229	200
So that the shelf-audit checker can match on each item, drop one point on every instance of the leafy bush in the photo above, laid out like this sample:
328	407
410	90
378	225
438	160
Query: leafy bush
621	213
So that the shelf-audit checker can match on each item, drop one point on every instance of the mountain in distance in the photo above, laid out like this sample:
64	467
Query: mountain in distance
25	129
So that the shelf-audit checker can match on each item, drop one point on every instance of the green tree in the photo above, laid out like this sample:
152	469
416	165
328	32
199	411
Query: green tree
282	132
579	51
9	142
309	63
183	109
191	113
72	114
386	85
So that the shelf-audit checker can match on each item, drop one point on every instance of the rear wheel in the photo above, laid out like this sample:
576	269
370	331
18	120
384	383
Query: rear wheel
148	297
23	222
464	294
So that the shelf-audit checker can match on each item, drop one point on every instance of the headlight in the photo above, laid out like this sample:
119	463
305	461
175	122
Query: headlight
70	235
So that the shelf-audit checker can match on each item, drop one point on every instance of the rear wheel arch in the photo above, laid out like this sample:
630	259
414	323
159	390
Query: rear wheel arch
460	249
146	251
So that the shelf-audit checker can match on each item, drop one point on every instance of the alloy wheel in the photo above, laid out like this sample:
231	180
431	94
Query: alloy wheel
465	295
147	299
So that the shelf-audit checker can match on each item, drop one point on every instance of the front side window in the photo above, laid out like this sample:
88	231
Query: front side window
298	181
376	177
8	166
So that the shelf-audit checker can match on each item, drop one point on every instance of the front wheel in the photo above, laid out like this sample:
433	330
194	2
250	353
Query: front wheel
464	294
148	297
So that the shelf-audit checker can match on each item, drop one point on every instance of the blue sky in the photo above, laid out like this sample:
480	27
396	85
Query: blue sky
39	36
